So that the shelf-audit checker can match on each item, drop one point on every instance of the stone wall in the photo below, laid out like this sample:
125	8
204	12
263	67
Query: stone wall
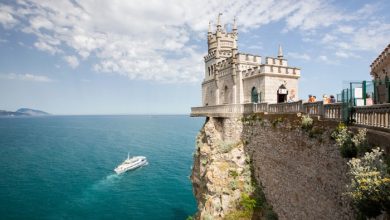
272	84
303	177
249	83
209	93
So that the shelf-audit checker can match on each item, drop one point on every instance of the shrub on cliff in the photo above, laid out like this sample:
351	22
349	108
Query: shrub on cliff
277	121
247	203
227	146
360	141
370	184
306	123
350	144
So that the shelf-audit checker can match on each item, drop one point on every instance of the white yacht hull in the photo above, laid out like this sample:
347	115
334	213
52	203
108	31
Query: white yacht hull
131	164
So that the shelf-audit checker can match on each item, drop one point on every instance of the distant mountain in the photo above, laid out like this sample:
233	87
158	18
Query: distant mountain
24	112
32	112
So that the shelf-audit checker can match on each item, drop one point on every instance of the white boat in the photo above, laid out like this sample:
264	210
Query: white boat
131	164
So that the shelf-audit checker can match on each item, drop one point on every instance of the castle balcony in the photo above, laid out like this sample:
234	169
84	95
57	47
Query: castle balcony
374	116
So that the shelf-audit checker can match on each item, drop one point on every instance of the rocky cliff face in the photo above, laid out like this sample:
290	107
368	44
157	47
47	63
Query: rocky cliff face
221	171
303	174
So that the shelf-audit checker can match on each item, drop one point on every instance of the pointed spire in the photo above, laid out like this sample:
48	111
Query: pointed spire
209	32
234	25
280	52
219	21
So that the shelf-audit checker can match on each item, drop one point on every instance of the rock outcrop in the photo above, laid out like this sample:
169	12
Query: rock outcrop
221	172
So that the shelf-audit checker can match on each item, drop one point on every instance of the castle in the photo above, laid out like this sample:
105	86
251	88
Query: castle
380	71
232	77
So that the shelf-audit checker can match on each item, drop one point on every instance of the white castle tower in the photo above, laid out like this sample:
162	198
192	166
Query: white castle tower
236	78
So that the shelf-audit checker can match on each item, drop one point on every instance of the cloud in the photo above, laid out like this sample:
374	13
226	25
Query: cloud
156	40
301	56
3	40
72	61
43	46
26	77
345	54
325	59
7	20
313	15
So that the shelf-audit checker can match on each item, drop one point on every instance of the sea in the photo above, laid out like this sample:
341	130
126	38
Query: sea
61	167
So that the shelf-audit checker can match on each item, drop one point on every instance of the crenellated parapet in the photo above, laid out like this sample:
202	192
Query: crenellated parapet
275	61
244	58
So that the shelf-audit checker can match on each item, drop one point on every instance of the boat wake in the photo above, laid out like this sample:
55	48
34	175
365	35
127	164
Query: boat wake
106	182
91	196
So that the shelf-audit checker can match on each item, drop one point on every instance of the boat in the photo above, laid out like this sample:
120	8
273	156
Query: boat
131	164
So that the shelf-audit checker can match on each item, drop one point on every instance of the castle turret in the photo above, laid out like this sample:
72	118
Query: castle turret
221	43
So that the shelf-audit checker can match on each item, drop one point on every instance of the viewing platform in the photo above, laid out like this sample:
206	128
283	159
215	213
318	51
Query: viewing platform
370	116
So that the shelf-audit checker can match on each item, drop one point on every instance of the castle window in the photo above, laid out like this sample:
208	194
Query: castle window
226	95
254	95
209	71
282	94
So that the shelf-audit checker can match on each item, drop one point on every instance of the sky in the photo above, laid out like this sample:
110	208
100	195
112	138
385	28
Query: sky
73	57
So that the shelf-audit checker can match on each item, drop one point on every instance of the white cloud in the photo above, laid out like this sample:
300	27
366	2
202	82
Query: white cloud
26	77
345	54
40	45
154	40
328	38
301	56
7	20
72	61
345	29
323	58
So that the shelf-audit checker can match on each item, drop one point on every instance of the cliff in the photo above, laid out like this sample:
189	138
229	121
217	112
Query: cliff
301	172
221	172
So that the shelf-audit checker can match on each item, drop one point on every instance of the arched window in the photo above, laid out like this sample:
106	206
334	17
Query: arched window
254	95
226	95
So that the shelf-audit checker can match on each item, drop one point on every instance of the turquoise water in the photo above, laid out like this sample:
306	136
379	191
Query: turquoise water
61	167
